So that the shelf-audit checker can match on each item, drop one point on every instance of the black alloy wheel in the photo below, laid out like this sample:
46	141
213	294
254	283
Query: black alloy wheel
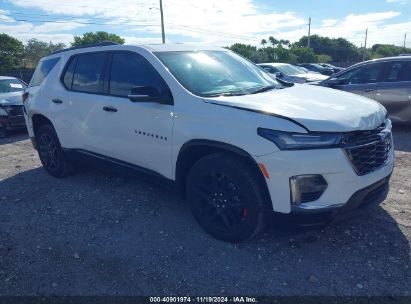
226	198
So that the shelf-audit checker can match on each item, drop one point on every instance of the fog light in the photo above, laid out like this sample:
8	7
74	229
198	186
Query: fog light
306	188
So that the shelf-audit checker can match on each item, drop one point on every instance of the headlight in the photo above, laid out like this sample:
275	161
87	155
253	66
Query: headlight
300	141
3	112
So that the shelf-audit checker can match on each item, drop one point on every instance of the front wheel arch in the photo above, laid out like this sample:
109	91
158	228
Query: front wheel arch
195	149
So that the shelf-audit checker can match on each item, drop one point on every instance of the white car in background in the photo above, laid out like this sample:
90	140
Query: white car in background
291	73
11	105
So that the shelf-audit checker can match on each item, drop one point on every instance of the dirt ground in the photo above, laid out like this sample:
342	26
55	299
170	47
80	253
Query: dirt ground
100	233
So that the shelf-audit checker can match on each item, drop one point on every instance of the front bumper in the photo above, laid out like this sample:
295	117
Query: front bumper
370	195
12	122
332	164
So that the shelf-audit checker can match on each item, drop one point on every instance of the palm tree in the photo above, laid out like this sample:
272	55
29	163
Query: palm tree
263	42
273	41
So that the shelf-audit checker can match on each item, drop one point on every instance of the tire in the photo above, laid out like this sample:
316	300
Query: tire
50	152
226	198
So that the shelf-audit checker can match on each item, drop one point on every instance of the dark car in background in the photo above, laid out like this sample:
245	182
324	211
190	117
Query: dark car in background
386	80
11	104
315	67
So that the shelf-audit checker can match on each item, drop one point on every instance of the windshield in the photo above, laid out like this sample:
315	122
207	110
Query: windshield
216	73
288	69
11	85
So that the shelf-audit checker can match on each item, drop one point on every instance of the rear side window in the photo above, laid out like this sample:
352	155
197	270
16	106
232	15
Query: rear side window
42	70
129	70
68	74
399	71
88	73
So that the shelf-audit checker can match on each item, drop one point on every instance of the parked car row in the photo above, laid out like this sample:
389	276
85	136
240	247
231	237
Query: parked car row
386	80
291	73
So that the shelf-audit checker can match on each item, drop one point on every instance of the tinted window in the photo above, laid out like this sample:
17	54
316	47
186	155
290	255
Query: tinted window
11	85
89	73
399	71
130	70
68	75
42	70
362	75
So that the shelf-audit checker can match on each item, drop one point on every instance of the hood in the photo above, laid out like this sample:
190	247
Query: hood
317	108
313	76
13	98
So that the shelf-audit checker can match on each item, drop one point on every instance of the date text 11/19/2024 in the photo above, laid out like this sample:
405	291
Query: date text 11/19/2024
203	299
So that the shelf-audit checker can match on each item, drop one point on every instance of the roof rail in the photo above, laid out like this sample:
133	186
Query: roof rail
103	43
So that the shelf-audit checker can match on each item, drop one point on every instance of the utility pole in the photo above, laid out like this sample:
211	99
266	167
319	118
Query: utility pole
365	44
405	39
309	32
163	34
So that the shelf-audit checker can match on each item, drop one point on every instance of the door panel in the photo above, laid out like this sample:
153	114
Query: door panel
139	132
366	90
363	80
395	90
80	96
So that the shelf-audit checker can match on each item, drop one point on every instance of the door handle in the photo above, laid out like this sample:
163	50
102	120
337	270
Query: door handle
109	109
57	101
369	90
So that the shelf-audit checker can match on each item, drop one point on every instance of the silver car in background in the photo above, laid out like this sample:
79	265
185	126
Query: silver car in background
386	80
291	73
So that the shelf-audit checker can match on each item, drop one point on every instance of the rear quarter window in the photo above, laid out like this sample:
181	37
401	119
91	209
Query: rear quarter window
42	70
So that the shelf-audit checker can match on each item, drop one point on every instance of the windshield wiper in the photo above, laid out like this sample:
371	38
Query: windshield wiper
264	89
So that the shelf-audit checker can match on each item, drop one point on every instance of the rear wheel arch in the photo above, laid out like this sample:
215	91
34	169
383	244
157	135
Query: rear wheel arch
195	149
40	120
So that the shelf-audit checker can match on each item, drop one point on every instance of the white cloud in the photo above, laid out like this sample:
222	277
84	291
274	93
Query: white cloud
218	22
397	1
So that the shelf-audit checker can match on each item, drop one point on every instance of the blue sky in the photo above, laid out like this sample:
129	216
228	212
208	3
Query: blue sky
217	22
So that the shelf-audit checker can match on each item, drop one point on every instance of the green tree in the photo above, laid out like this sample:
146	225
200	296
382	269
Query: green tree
263	42
34	50
324	58
387	50
11	51
339	49
97	37
302	55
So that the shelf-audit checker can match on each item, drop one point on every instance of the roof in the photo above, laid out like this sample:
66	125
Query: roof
402	57
172	47
180	47
7	77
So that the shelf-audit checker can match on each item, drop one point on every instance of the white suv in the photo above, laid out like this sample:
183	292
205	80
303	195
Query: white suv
236	143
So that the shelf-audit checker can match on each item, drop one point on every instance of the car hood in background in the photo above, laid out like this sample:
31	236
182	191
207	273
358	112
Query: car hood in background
313	76
11	99
317	108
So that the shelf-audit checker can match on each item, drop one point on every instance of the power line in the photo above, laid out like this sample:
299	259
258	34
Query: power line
79	22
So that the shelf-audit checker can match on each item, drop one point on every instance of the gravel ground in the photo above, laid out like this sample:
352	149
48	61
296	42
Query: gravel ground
100	233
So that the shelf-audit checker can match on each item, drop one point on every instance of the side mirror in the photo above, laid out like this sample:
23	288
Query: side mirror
144	94
279	74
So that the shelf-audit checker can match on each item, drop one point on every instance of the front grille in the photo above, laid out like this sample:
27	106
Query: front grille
368	150
15	110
